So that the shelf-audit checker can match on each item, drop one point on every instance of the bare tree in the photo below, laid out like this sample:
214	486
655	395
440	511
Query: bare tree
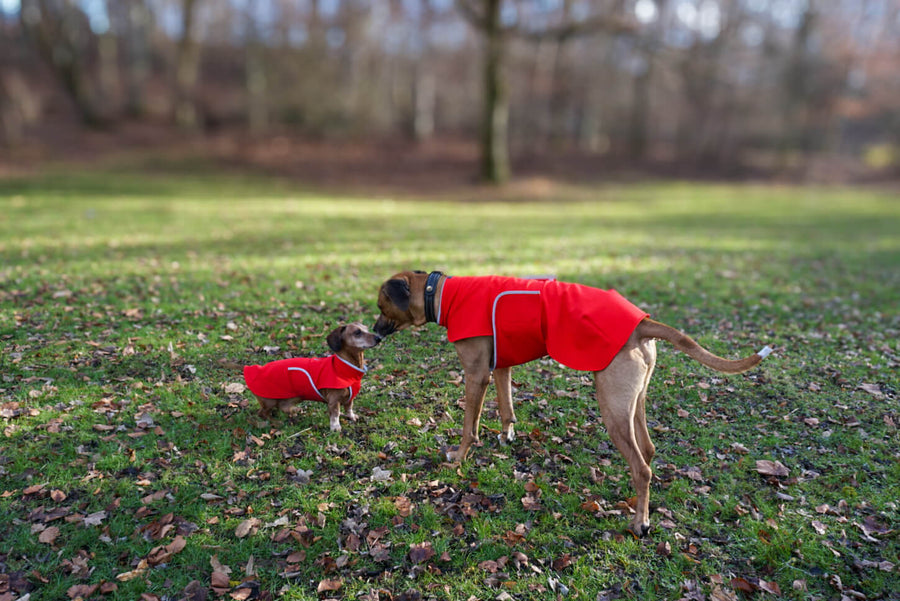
62	36
136	24
255	72
495	164
187	63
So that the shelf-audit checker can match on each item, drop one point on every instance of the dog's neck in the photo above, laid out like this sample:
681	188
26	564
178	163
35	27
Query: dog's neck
434	283
354	357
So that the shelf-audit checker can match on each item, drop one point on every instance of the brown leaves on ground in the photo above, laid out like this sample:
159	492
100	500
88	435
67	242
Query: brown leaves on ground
48	535
752	585
404	506
772	468
247	528
531	500
329	585
561	563
141	567
164	553
421	552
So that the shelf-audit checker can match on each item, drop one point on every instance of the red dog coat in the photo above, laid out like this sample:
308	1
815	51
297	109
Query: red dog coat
303	378
581	327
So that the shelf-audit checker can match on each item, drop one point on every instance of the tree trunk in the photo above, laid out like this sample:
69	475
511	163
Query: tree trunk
186	68
139	23
494	137
108	48
639	130
257	111
424	101
59	37
640	111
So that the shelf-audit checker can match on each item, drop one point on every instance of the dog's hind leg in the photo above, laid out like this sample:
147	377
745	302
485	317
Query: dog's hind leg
648	347
620	388
503	384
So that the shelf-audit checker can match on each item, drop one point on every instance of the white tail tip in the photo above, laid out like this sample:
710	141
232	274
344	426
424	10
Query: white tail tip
765	352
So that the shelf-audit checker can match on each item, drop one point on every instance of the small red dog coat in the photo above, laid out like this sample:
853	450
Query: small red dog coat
581	327
303	377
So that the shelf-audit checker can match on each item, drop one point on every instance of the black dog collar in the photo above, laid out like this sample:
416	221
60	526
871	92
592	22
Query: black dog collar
430	290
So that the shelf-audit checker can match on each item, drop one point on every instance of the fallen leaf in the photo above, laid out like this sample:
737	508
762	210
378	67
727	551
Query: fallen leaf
157	496
36	488
219	583
591	506
421	552
108	587
164	553
873	389
818	526
295	557
95	519
247	527
404	506
234	388
739	448
721	594
771	468
49	535
380	475
489	566
329	585
218	566
194	591
563	562
81	590
743	585
135	573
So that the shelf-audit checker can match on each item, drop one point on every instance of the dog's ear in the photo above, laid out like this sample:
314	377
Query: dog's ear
336	339
398	291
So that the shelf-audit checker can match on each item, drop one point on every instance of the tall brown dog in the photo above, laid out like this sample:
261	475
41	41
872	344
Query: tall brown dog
414	298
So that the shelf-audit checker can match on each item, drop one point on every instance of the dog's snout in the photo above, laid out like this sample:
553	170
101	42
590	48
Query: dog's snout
383	327
378	338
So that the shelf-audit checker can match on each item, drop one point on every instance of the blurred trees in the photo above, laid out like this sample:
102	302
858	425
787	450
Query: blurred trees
710	82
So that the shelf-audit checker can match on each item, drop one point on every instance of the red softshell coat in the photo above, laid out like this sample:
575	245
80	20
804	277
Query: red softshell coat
581	327
303	377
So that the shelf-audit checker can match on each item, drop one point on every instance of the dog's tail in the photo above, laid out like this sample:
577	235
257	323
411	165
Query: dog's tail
684	343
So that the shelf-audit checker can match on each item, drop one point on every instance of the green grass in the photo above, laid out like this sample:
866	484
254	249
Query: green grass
119	292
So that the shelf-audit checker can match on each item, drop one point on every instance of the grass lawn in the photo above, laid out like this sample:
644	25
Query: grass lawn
131	463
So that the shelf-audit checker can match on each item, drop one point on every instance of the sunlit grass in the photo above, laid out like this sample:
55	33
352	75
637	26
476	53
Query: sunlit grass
170	273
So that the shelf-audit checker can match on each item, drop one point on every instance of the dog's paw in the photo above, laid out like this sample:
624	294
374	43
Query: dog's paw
638	531
352	416
507	437
452	454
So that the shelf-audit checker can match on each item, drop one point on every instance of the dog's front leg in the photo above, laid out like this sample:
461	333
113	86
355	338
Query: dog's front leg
333	399
348	408
475	356
266	406
503	384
